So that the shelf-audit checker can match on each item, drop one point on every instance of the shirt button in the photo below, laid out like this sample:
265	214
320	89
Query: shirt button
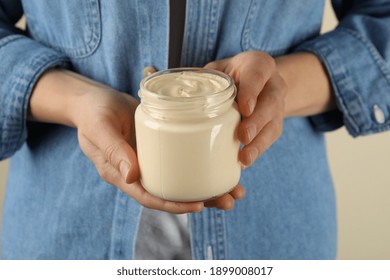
378	114
148	70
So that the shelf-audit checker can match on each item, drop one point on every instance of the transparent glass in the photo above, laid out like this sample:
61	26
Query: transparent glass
187	146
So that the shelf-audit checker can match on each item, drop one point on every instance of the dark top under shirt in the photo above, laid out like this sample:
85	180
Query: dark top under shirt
177	14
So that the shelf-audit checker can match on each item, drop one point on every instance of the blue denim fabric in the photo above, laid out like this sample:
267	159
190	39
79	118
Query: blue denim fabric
56	205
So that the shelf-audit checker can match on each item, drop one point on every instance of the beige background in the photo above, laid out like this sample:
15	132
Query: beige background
361	171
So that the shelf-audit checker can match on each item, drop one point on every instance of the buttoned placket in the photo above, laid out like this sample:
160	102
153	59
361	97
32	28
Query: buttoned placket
208	231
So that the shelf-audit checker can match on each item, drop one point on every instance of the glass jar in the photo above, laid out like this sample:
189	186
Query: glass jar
186	132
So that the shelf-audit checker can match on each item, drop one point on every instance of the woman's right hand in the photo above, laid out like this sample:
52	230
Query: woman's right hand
104	118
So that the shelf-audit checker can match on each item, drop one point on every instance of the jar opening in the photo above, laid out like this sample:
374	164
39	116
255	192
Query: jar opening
183	93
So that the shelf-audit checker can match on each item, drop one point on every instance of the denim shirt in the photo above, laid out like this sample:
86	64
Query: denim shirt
57	207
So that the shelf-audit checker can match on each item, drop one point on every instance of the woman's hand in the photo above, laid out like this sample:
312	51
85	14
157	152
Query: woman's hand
106	136
104	119
261	93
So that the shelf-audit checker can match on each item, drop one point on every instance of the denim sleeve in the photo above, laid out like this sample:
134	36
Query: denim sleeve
22	61
357	57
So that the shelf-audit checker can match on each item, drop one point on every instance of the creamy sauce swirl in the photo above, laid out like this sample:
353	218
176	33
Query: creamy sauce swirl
186	84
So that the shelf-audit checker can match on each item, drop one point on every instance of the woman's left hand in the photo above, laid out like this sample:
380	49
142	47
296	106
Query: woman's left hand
261	93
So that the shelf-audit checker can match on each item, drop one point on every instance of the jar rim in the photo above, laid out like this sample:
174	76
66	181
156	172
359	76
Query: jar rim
185	69
162	106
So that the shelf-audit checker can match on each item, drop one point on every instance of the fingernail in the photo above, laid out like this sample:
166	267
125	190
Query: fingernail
252	154
124	168
251	105
148	70
243	167
251	132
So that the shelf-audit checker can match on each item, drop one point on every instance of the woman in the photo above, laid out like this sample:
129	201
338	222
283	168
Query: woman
69	90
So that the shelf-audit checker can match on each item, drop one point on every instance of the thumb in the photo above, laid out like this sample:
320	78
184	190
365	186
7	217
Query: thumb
124	159
119	154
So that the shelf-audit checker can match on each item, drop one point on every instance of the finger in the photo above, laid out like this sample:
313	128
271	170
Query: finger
270	104
266	137
118	152
136	191
219	65
124	159
148	71
148	200
224	202
251	82
238	192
